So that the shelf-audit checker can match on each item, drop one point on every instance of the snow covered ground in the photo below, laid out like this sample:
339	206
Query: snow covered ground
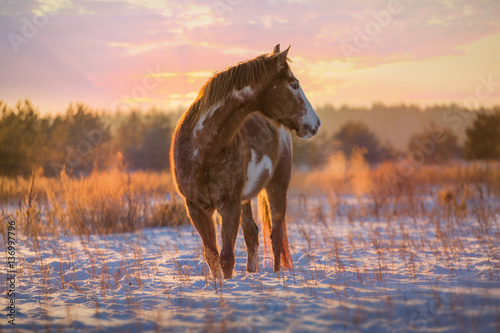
392	273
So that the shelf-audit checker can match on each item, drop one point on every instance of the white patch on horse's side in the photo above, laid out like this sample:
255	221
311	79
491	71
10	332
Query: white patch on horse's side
255	170
285	138
195	153
243	93
209	113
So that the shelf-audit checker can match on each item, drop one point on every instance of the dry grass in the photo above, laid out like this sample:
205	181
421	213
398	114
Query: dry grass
118	201
421	219
101	203
354	176
390	190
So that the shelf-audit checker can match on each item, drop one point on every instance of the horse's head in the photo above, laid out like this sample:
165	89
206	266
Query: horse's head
284	100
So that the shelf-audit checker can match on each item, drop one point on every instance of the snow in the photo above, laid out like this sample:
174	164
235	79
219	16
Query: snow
349	275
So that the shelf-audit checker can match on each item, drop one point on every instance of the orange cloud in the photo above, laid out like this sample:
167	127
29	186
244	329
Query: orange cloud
99	51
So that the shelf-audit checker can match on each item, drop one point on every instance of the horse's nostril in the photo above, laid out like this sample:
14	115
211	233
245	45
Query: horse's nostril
310	129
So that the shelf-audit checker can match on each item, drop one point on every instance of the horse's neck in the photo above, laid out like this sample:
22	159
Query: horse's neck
218	126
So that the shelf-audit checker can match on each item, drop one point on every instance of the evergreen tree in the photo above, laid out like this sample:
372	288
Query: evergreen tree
483	137
437	144
357	134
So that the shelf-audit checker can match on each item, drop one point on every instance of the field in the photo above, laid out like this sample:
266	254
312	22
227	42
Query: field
374	250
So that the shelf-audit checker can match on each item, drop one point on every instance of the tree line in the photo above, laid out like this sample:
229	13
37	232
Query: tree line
433	144
83	139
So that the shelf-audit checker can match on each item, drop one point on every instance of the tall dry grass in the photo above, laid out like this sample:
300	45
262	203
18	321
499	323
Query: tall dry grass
119	201
387	191
354	176
435	216
103	202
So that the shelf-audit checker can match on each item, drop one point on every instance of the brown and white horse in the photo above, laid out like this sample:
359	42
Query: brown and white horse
232	144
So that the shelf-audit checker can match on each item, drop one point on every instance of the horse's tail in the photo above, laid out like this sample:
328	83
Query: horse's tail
266	221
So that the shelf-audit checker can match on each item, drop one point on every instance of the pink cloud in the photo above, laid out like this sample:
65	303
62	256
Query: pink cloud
99	50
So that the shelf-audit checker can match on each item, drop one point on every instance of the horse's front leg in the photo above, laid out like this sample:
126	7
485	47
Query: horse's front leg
251	235
229	211
202	221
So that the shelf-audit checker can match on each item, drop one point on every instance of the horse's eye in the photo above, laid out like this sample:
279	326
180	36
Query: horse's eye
294	86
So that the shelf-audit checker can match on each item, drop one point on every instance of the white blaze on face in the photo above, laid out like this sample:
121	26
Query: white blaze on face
255	171
310	118
209	113
308	105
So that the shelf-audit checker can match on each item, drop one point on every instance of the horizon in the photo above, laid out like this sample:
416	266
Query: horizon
128	54
179	109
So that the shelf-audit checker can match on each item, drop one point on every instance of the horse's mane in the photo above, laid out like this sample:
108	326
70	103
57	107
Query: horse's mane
222	84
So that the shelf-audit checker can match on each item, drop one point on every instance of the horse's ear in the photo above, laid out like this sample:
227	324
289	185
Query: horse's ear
285	53
281	56
276	50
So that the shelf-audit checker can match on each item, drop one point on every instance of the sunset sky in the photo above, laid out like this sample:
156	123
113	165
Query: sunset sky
130	53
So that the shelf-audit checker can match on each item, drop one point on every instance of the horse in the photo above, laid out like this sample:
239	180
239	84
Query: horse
234	143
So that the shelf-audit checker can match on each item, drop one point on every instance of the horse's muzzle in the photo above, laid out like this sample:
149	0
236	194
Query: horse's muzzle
308	131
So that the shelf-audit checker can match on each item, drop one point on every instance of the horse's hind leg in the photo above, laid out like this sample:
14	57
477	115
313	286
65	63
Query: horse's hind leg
251	235
230	213
276	193
202	221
